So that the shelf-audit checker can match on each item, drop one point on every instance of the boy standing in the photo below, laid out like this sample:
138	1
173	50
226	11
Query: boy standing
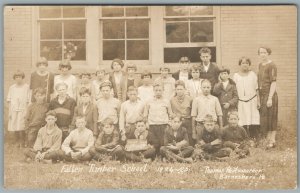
64	106
48	142
203	105
183	74
77	145
227	93
158	112
131	111
35	116
167	82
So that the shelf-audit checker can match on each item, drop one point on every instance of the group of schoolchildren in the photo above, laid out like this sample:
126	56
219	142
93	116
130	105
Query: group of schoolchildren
192	115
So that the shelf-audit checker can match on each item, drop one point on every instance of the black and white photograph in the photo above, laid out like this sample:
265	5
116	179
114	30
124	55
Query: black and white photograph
150	97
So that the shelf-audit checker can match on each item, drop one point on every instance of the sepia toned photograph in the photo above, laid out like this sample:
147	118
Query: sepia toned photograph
150	97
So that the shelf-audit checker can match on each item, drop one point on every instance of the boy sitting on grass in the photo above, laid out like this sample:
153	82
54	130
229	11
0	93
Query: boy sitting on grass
235	137
209	143
77	145
107	143
176	143
48	142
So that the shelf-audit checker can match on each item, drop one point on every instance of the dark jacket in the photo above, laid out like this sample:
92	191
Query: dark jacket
175	75
228	95
212	74
169	137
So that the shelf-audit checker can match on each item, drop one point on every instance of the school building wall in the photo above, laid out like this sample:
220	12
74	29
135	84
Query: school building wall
242	31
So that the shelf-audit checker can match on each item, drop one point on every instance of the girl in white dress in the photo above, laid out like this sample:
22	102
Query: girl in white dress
66	77
193	86
18	99
247	87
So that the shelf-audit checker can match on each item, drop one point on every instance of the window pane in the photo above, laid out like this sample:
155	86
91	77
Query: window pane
172	55
136	11
112	11
50	11
137	28
113	49
201	10
51	50
74	50
51	30
73	11
113	29
74	29
177	10
177	32
137	50
202	32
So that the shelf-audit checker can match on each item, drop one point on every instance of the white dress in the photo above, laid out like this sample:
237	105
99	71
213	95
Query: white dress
194	88
70	81
19	97
246	87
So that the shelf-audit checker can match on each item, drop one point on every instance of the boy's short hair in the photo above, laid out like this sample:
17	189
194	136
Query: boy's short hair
131	88
164	67
119	61
224	69
130	65
64	64
205	81
61	84
140	120
51	113
266	48
84	90
107	121
40	91
233	113
195	67
184	59
146	73
105	83
41	60
100	70
80	117
208	119
85	74
179	83
19	73
244	58
204	50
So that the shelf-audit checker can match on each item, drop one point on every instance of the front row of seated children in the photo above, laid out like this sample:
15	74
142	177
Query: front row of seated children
211	144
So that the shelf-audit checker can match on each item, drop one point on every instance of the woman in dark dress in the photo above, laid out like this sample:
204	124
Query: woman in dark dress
267	76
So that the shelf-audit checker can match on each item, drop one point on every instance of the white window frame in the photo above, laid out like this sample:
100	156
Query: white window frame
100	23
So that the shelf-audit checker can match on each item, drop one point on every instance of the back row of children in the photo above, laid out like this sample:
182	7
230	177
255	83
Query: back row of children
192	101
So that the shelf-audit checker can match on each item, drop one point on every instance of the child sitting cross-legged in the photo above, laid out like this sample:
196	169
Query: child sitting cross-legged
176	143
48	142
235	137
209	143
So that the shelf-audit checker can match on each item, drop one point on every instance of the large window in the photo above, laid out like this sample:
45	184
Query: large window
125	32
62	32
187	29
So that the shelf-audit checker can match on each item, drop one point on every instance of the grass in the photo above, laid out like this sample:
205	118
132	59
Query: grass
272	169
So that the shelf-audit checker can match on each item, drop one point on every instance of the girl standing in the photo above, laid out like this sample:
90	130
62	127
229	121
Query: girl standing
248	105
193	86
267	76
18	99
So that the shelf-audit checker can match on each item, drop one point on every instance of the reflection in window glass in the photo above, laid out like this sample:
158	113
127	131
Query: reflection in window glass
177	32
202	32
201	10
113	29
177	10
112	11
113	49
137	50
51	30
74	50
136	11
51	50
72	11
137	28
74	29
50	11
